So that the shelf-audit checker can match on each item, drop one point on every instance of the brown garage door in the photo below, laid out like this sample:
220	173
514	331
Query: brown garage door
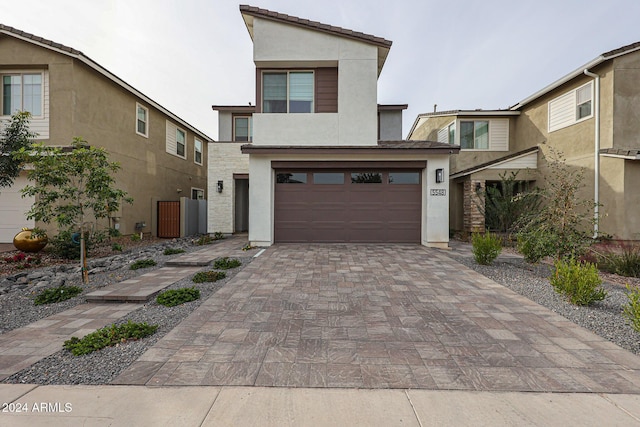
348	206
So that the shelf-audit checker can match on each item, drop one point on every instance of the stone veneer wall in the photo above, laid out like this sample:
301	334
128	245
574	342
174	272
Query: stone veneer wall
473	218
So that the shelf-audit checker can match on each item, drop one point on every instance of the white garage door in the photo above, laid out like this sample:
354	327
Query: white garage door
13	210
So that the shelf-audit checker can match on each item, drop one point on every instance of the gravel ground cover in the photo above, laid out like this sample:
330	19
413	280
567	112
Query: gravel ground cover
102	366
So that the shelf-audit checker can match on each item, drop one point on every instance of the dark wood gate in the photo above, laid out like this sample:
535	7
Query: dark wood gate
169	219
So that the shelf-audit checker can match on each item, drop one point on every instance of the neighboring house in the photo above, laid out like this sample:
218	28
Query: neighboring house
163	158
590	116
321	160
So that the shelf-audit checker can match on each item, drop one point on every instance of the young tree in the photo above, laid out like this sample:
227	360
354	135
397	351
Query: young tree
561	227
73	188
14	136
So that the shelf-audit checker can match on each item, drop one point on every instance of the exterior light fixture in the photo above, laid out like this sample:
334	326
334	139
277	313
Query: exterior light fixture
220	186
439	175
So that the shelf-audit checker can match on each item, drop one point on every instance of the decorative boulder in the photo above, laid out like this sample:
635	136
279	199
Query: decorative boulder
26	242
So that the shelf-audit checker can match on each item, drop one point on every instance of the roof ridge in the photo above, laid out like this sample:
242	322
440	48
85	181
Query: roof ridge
283	17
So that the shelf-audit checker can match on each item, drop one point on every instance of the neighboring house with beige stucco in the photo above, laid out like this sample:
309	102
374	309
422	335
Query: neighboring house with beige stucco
317	159
163	158
590	116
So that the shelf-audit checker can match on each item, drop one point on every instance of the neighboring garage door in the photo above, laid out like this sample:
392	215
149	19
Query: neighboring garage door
13	210
348	206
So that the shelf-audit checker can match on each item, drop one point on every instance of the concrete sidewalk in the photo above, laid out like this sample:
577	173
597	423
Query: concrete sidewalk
30	405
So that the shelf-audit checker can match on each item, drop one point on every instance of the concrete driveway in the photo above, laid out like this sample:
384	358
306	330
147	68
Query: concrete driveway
379	316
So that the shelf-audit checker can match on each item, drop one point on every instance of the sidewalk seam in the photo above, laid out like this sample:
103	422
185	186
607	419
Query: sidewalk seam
413	408
606	397
211	407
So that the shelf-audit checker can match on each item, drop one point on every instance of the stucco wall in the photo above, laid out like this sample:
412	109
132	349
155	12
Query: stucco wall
85	104
285	46
626	104
390	123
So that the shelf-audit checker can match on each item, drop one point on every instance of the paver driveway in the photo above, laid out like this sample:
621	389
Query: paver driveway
379	316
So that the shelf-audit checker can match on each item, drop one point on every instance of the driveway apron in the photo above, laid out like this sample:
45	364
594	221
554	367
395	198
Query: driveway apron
379	316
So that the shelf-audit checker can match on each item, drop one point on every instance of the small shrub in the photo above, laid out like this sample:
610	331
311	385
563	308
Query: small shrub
57	294
226	263
218	235
135	238
579	282
142	263
632	310
23	261
108	336
247	247
209	276
175	297
173	251
625	262
116	247
114	232
67	245
486	247
536	245
204	240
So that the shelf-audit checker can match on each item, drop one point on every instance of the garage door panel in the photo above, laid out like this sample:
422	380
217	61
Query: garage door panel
13	208
349	212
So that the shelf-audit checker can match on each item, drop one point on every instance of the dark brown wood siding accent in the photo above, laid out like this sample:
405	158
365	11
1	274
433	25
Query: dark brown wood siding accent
326	90
348	164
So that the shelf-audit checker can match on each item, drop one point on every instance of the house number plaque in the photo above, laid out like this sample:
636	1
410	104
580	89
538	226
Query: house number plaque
438	192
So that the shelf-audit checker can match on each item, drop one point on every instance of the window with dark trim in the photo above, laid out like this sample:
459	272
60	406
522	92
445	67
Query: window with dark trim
287	92
366	178
242	128
331	178
404	177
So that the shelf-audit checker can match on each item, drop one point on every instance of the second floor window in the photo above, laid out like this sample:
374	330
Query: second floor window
474	135
22	92
242	128
287	92
197	155
142	120
180	142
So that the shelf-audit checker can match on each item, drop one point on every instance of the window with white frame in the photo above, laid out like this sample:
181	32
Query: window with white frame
142	120
22	92
451	130
474	134
242	128
571	107
181	142
197	151
287	92
197	194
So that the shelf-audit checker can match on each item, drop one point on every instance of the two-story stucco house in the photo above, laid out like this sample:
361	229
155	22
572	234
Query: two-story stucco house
162	157
317	159
590	116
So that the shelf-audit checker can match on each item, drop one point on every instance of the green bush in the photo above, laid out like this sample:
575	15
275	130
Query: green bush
486	247
579	282
632	310
625	262
63	245
142	263
226	263
535	245
175	297
135	237
173	251
209	276
108	336
204	240
57	294
116	247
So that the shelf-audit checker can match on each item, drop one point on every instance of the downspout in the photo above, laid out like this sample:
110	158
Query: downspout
596	116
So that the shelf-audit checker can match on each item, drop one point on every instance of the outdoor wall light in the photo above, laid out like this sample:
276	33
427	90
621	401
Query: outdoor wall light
439	175
220	186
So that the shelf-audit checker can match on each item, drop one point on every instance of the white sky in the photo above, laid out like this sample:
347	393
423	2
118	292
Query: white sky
460	54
